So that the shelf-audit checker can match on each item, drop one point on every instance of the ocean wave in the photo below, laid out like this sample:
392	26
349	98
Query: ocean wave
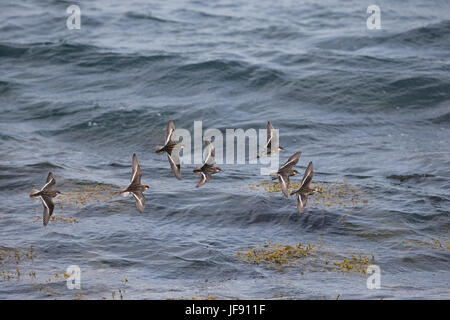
436	35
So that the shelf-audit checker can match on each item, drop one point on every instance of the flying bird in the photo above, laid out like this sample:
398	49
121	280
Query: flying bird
291	174
285	171
305	190
172	148
135	187
46	194
271	134
207	170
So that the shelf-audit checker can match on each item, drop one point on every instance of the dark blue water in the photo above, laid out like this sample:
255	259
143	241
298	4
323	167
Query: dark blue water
368	106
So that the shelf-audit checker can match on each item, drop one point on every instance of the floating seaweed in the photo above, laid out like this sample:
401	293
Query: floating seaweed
209	297
16	256
277	255
440	242
89	195
12	259
55	219
306	257
354	264
329	194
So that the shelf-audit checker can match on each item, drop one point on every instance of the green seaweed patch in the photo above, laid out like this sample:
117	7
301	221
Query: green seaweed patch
340	193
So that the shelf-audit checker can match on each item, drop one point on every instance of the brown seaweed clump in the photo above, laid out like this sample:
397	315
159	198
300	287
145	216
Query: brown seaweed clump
89	195
328	194
12	260
440	242
305	257
209	297
55	219
277	254
357	264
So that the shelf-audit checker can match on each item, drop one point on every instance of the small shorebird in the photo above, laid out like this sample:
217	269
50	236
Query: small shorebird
305	190
208	169
135	187
270	137
46	194
172	148
293	173
285	171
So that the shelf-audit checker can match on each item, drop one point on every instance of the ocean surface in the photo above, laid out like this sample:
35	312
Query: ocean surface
370	108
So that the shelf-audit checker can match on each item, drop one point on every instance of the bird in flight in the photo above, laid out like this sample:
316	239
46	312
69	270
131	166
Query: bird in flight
285	171
207	170
135	187
305	189
46	194
271	136
172	148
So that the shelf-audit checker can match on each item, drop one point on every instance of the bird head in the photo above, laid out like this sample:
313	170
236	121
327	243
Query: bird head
216	169
55	193
280	148
294	172
146	187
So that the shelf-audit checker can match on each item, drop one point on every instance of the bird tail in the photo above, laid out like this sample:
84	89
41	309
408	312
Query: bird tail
159	149
124	192
197	171
33	195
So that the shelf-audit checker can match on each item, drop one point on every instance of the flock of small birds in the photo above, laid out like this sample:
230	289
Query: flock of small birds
172	148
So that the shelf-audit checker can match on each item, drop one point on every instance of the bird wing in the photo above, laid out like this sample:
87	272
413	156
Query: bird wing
136	172
205	178
309	173
140	200
49	183
210	153
284	183
170	129
269	135
174	160
301	202
47	202
292	161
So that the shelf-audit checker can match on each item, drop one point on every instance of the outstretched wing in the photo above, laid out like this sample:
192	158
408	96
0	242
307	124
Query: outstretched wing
136	172
49	183
47	202
140	200
309	173
205	178
170	129
174	160
269	135
301	202
210	153
292	161
284	183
